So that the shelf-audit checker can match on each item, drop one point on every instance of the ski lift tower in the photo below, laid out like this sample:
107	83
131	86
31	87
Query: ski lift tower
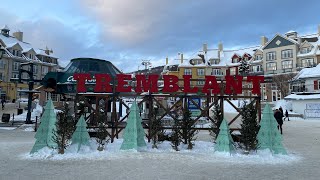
146	64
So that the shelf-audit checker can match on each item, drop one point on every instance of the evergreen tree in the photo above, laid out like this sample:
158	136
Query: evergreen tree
134	134
269	136
224	141
188	133
175	137
249	127
102	132
45	133
65	127
156	129
217	117
81	135
244	67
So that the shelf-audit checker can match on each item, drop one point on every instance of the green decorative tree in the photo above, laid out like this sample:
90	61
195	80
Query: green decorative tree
45	134
217	117
81	135
224	142
249	127
65	127
134	134
269	136
175	137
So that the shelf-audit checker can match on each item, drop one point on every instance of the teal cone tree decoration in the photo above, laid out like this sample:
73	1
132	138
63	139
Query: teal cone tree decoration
224	142
269	136
81	135
134	134
45	134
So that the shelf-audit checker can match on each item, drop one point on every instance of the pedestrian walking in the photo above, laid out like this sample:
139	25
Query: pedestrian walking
279	117
2	103
287	115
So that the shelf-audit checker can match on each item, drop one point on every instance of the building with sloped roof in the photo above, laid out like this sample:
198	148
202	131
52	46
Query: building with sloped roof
18	51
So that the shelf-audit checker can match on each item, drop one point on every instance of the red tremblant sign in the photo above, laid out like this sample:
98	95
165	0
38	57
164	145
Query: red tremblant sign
145	83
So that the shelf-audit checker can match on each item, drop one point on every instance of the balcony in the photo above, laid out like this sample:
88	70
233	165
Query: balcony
255	73
306	65
287	70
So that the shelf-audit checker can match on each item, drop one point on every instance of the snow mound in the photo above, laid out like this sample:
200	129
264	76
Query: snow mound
202	152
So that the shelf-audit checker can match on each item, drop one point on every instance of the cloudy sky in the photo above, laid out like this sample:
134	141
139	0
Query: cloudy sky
128	31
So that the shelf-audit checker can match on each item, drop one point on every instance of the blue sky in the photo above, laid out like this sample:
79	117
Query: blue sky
125	32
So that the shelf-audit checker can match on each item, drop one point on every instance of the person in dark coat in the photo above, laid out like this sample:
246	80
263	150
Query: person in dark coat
287	115
2	102
279	117
281	110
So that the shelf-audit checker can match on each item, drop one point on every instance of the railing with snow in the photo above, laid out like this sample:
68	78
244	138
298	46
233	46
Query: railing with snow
312	113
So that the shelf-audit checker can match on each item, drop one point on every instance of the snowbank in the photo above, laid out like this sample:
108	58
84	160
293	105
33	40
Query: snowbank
203	151
36	112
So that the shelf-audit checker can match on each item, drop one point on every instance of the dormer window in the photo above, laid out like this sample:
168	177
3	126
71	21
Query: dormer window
214	61
258	57
235	60
305	50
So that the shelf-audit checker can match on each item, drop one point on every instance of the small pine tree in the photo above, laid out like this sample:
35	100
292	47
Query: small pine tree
249	127
218	118
156	130
102	132
188	133
65	127
224	140
175	137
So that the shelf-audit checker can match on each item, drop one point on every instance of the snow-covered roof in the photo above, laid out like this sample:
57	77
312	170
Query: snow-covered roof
302	97
226	56
312	52
291	31
6	27
308	73
42	52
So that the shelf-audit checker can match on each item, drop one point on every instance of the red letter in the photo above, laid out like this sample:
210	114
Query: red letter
255	83
211	83
122	83
102	83
186	84
170	83
81	81
148	85
236	84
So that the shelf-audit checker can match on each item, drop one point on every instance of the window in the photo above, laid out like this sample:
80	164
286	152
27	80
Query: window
187	72
271	56
271	66
235	60
232	71
35	69
216	72
256	68
258	57
54	97
1	64
305	50
307	62
200	82
200	72
1	77
31	56
214	61
44	69
286	64
15	75
16	66
288	53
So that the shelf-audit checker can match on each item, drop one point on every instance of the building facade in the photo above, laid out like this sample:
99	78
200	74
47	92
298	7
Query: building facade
17	52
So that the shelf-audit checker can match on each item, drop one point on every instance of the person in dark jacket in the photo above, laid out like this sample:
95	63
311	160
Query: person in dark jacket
281	110
287	115
279	117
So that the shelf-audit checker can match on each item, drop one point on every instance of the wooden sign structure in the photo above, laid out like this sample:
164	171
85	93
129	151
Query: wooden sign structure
108	92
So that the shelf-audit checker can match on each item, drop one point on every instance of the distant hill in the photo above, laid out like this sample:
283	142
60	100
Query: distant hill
154	70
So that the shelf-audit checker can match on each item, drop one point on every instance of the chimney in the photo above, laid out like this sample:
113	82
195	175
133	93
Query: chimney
264	40
299	40
220	46
18	35
181	58
205	48
167	60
